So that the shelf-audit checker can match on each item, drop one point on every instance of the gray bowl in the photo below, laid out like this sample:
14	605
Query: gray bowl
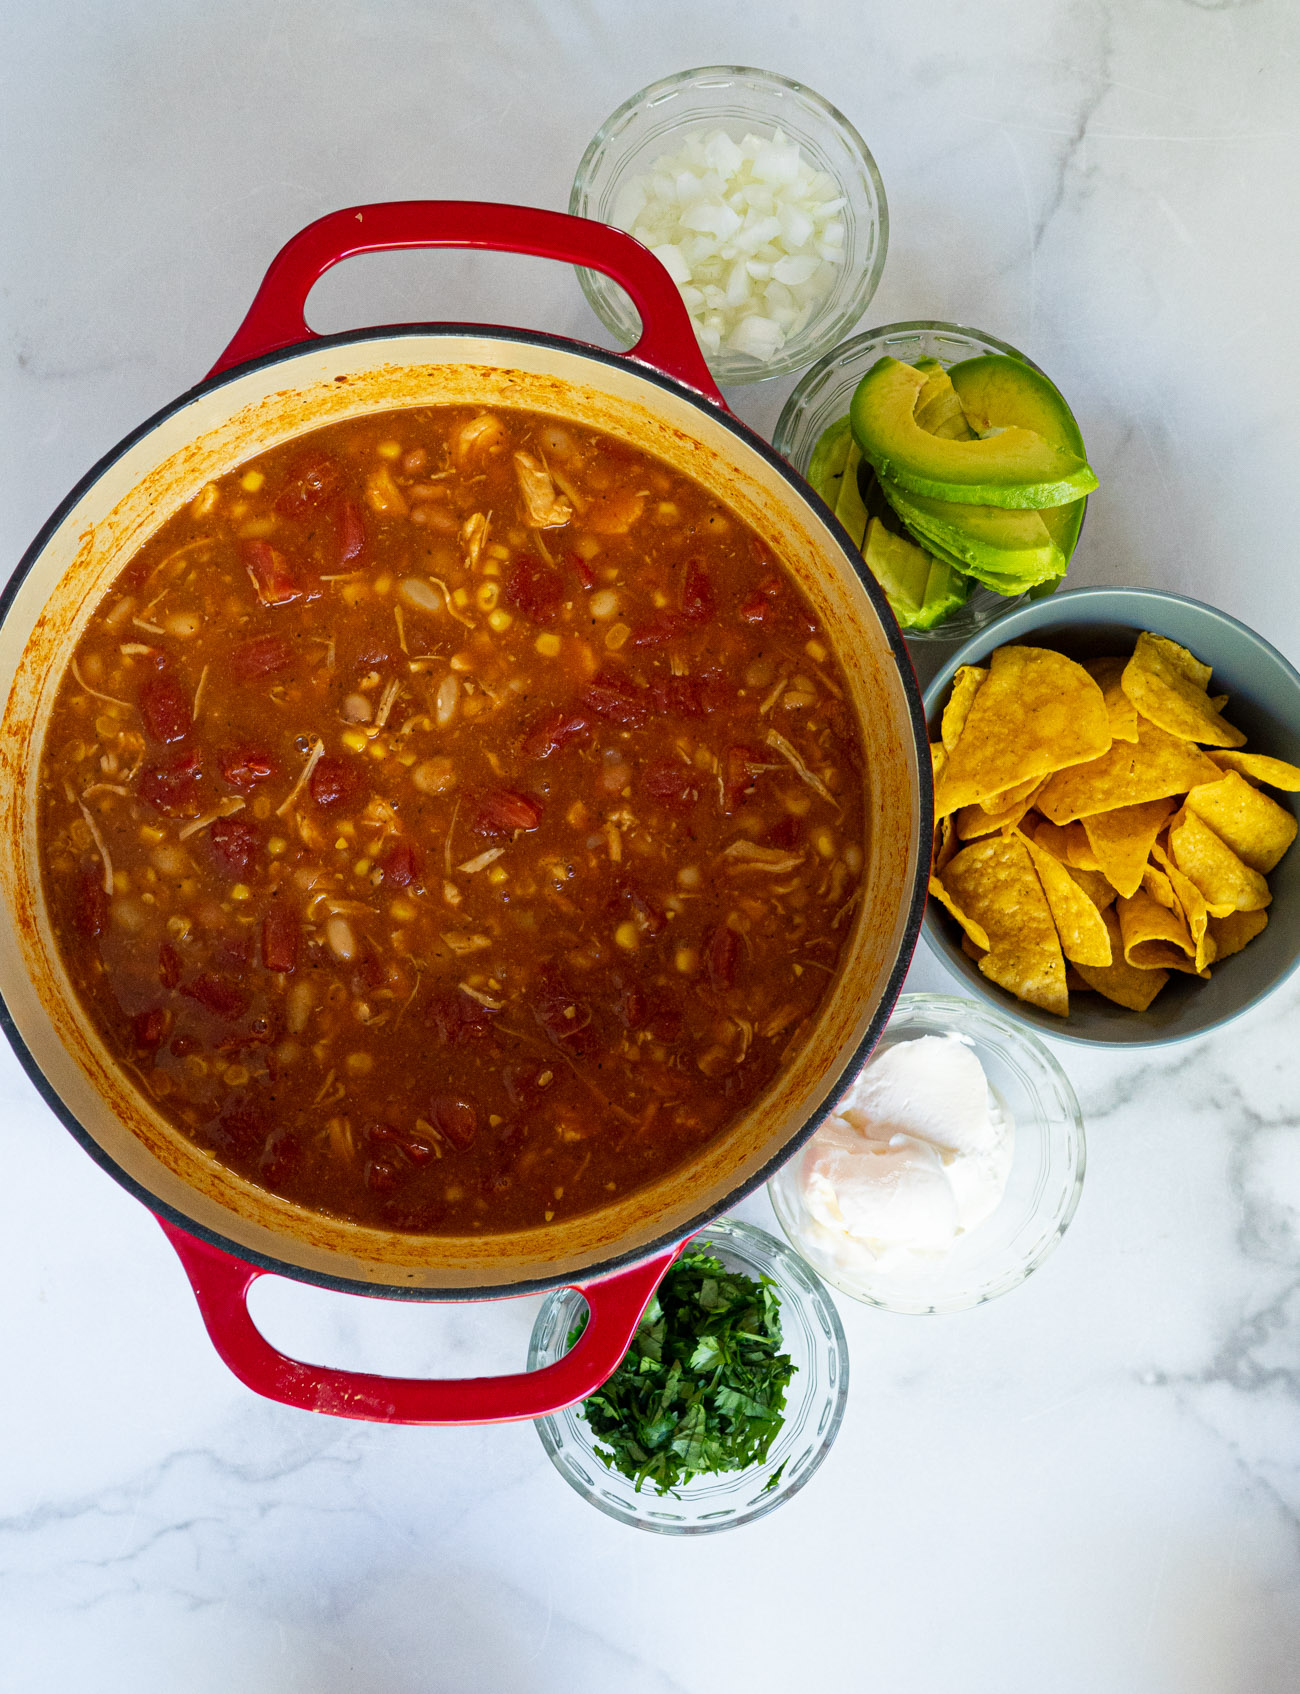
1264	702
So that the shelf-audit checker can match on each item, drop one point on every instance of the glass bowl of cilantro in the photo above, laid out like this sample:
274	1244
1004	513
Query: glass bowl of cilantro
727	1400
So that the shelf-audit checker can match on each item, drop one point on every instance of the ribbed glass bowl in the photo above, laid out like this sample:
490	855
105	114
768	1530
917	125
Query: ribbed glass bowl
736	98
1042	1192
813	1337
823	396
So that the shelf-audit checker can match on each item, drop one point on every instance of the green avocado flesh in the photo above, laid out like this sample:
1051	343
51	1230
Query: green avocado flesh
921	590
938	405
1012	468
996	391
986	541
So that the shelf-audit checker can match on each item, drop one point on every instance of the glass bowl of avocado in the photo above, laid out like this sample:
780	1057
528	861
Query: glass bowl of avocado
953	462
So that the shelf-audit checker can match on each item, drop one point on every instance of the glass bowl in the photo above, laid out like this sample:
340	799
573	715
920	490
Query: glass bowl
813	1337
823	396
736	99
1042	1191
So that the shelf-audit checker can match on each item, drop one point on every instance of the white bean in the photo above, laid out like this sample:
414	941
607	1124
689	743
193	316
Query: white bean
343	943
357	709
445	704
420	595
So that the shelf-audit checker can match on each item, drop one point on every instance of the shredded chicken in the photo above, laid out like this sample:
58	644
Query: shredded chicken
787	751
473	536
749	856
477	438
100	848
317	753
546	509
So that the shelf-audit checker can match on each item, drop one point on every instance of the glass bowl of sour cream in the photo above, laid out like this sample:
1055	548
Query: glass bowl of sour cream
950	1170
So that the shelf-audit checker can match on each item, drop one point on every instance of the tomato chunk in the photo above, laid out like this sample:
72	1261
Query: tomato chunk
673	784
659	629
173	789
456	1118
280	933
91	911
245	767
534	588
148	1029
720	957
271	575
741	769
618	698
557	729
336	782
311	480
501	811
351	532
165	708
222	997
263	655
169	966
401	865
699	603
234	845
678	696
456	1019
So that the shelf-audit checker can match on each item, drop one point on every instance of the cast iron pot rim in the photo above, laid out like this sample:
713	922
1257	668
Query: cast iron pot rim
603	1268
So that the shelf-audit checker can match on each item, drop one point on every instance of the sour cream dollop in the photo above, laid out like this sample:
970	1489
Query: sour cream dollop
918	1155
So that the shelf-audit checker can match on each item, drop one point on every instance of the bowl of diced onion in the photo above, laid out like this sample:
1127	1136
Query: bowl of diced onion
762	202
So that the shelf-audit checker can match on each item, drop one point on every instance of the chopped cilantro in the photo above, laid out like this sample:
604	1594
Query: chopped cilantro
701	1390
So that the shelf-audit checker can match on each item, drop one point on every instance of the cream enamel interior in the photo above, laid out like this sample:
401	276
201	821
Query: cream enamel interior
207	436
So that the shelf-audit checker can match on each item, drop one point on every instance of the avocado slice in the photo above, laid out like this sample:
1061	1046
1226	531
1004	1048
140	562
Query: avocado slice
985	540
829	458
1013	467
850	507
921	590
938	406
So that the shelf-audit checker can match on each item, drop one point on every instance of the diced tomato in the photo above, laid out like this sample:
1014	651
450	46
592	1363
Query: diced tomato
673	784
381	1175
455	1117
169	966
678	696
456	1019
336	781
234	845
311	480
659	629
720	957
90	913
351	532
165	708
264	655
699	603
244	767
583	570
786	834
401	865
149	1028
548	734
280	933
563	1016
502	810
222	997
755	609
741	768
173	789
618	698
534	588
271	575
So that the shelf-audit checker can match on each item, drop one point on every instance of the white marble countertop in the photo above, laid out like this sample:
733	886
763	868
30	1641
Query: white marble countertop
1091	1485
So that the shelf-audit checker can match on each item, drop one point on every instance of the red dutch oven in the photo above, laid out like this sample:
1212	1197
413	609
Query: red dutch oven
275	381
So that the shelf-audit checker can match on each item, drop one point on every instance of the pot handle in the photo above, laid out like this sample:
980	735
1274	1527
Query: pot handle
221	1283
275	319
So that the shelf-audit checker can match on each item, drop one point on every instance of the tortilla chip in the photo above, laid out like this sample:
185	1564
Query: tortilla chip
1095	886
970	949
1227	883
1154	936
1257	829
1128	775
1078	922
1122	840
1121	711
965	686
1011	796
945	844
1233	932
1037	713
1120	981
1159	887
1273	773
1068	843
974	821
974	930
1168	686
1191	903
995	883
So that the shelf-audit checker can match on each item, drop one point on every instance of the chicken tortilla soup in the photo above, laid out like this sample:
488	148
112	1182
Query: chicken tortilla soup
453	819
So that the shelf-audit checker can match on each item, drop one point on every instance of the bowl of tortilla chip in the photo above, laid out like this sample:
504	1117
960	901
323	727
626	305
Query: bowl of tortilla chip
1117	787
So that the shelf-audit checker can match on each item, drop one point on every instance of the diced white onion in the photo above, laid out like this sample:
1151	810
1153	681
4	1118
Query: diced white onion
748	231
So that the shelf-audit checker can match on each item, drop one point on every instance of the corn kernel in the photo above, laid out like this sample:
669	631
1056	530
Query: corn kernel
616	636
499	621
485	596
361	867
548	646
492	568
628	937
355	740
178	927
687	960
378	749
496	551
497	876
341	844
382	584
359	1064
406	758
815	650
389	449
121	882
824	842
241	891
236	1076
461	596
251	481
152	834
402	911
277	844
